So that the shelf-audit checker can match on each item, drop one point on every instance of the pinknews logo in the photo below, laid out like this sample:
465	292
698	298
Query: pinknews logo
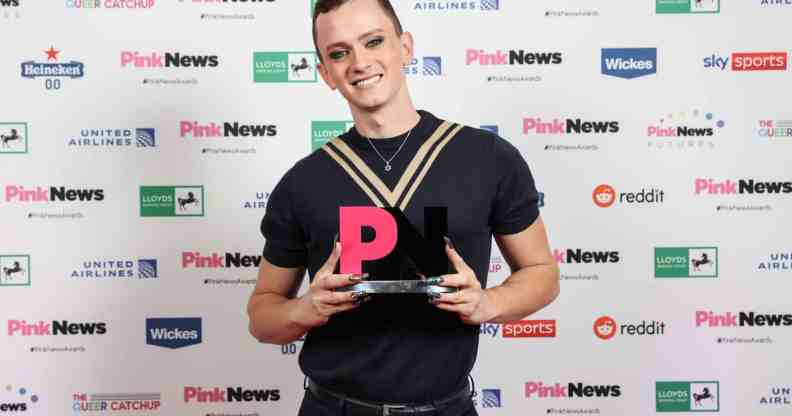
18	193
229	394
579	256
167	60
214	261
711	319
537	389
741	186
228	129
54	328
535	125
513	57
388	225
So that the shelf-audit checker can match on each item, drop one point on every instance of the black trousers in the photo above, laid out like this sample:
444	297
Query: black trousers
312	406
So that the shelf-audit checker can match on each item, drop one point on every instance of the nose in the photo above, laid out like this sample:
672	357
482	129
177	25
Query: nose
361	60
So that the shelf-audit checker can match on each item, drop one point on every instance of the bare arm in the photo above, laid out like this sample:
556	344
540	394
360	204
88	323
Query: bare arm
277	316
271	306
532	285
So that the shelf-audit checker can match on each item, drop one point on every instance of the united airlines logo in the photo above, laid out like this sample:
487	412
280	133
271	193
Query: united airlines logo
431	66
490	398
451	6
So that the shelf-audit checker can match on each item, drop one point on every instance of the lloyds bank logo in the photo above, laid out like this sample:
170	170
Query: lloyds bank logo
686	262
172	201
284	67
687	396
324	131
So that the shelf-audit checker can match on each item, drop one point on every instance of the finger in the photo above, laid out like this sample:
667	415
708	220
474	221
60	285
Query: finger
454	280
453	298
335	281
340	298
456	260
330	264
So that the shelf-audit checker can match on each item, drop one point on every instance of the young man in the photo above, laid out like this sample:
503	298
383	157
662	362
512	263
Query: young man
394	354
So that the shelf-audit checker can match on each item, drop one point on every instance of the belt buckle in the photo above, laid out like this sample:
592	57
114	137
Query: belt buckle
386	408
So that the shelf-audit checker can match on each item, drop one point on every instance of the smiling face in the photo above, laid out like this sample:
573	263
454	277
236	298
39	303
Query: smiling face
362	54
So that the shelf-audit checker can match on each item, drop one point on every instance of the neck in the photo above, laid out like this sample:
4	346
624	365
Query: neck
387	121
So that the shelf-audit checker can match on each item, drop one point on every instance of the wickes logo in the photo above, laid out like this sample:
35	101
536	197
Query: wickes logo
55	328
535	125
16	193
629	63
173	332
229	394
580	256
215	260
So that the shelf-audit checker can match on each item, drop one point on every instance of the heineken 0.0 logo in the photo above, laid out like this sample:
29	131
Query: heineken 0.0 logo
172	201
676	262
272	67
687	396
324	131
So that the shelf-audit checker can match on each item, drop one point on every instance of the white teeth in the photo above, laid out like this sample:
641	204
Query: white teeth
368	82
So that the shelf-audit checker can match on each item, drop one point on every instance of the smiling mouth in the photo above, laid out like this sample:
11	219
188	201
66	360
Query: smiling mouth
367	82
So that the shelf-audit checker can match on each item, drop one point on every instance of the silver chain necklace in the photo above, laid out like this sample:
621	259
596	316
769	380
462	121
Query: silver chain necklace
387	161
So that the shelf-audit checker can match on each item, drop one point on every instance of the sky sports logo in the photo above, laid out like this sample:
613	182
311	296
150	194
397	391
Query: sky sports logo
629	63
748	61
545	328
173	333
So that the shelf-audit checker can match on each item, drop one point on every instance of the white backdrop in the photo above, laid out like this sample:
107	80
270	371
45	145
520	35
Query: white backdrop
113	254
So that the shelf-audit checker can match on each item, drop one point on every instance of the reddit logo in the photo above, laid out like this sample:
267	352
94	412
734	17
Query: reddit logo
604	196
605	327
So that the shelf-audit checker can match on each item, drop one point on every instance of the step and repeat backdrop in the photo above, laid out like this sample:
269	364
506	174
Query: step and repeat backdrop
141	140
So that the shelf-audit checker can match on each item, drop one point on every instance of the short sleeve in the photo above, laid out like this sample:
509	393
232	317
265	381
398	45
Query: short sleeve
516	201
285	244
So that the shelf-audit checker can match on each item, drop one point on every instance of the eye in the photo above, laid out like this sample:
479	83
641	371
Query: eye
375	42
337	54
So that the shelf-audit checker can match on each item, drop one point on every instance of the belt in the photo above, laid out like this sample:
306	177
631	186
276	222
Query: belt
386	409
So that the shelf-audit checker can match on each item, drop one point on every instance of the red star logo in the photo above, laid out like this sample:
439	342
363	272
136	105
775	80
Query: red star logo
52	54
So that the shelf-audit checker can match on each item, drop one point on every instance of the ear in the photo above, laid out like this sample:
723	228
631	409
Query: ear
407	47
326	76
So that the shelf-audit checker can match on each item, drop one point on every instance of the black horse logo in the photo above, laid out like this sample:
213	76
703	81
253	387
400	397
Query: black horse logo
13	136
299	67
697	263
183	202
8	271
697	398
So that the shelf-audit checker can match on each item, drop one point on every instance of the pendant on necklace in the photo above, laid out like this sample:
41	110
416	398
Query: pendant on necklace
387	167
